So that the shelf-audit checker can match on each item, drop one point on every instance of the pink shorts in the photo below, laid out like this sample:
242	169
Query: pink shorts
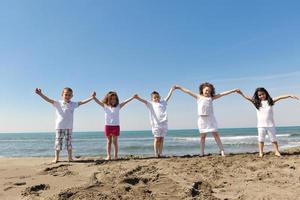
111	130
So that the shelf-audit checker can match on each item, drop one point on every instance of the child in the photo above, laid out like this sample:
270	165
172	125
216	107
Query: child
265	121
64	119
158	119
111	107
206	119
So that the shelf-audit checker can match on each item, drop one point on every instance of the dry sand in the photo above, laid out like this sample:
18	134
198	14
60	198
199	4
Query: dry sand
239	176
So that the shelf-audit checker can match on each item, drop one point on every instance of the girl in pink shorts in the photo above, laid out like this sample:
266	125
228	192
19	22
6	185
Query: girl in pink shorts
111	107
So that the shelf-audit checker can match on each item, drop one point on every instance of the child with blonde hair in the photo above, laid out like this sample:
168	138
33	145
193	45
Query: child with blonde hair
112	107
64	119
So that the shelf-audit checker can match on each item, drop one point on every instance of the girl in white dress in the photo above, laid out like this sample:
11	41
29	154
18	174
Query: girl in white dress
206	119
265	120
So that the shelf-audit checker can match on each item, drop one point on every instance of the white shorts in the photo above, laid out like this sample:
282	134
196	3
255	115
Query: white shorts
160	131
263	131
207	124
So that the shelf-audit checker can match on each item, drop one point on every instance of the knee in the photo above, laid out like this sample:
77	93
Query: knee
215	134
115	141
202	136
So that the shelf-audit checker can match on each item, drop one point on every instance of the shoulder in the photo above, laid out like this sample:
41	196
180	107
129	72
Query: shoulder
57	103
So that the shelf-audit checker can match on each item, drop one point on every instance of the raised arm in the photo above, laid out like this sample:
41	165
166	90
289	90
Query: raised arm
245	97
284	97
87	100
225	93
195	95
127	101
141	100
97	100
38	91
170	93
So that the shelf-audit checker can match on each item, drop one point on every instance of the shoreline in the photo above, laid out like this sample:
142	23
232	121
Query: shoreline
283	150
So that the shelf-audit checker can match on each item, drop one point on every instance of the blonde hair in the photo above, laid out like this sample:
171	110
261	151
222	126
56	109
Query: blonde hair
108	97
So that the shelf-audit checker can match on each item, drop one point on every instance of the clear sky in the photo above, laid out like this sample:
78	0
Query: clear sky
138	46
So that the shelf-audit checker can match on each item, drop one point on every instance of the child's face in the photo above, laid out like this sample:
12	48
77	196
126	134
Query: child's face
113	100
67	95
156	98
261	95
206	91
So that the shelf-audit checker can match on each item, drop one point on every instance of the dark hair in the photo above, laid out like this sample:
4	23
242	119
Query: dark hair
68	89
154	93
108	97
211	86
257	101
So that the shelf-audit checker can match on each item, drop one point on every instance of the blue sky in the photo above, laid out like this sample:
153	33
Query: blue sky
137	46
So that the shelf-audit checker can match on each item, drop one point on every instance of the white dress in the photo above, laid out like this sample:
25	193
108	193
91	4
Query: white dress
206	118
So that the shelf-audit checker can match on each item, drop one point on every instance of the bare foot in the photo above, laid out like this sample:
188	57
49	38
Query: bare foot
107	158
261	155
71	160
116	158
201	154
277	154
54	161
223	154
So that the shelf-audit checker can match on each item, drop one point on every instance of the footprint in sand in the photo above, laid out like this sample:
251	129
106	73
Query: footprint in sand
35	190
60	170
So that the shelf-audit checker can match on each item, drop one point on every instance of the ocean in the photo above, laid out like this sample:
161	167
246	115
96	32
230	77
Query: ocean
177	142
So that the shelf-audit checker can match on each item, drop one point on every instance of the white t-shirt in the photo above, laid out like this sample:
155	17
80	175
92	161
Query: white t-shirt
158	113
205	106
265	115
111	115
64	114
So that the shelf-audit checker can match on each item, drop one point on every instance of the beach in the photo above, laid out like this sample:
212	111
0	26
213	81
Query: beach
236	176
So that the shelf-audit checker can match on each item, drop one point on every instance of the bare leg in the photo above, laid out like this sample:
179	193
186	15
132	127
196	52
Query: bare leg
219	143
108	147
56	159
161	146
115	141
202	143
70	157
276	149
261	149
156	151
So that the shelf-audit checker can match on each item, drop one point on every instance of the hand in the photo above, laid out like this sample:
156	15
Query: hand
238	91
294	97
176	86
38	91
94	94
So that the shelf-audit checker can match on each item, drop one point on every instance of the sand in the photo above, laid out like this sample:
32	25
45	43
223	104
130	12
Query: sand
239	176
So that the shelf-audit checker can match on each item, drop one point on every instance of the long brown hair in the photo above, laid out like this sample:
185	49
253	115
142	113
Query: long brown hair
108	97
257	101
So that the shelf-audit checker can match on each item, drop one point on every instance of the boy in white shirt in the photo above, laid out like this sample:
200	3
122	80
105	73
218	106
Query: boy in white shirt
158	118
64	119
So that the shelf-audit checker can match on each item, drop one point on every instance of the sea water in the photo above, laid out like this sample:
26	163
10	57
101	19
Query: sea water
177	142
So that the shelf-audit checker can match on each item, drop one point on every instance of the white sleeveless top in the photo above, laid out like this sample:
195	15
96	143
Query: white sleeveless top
265	115
111	115
205	106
